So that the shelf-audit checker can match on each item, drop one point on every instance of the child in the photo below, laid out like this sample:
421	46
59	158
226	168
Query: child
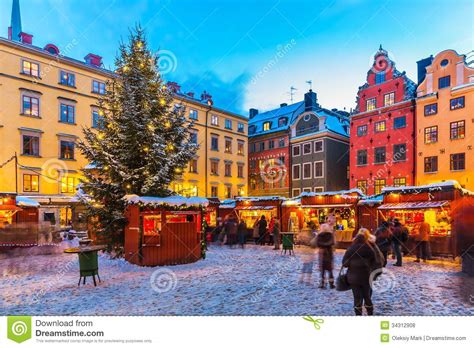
308	264
325	242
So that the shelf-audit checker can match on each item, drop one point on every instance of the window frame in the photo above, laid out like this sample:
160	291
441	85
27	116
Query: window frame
31	182
434	160
293	177
377	123
404	159
69	141
384	154
444	78
457	130
310	148
99	90
228	124
31	97
293	150
29	73
38	140
457	161
391	99
372	102
318	142
462	104
315	163
429	132
365	127
67	105
358	156
398	118
214	120
433	106
68	81
310	166
379	184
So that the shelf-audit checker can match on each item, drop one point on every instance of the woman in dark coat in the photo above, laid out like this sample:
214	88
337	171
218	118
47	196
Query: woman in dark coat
262	229
383	240
325	242
362	259
242	233
231	230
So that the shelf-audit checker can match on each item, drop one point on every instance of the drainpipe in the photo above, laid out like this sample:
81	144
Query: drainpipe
206	152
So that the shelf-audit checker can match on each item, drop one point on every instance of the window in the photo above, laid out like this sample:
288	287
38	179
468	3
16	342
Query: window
282	121
431	135
214	120
431	109
379	77
399	122
318	146
240	170
458	161
66	150
262	146
214	143
240	127
456	103
68	113
271	144
67	184
281	159
30	183
228	169
296	192
457	130
307	170
361	157
98	87
214	191
379	185
319	189
267	126
30	106
30	68
296	172
252	129
193	137
444	62
444	82
97	119
318	169
362	185
296	150
399	152
193	114
228	124
192	191
431	164
371	104
193	166
214	167
240	148
362	130
30	145
228	145
281	142
228	191
397	182
67	79
379	154
379	126
389	99
306	148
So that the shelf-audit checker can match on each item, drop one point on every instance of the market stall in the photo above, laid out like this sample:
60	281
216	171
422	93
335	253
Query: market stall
163	231
438	204
8	209
250	209
337	208
368	215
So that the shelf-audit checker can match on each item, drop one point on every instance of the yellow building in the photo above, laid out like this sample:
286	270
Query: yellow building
220	166
444	121
47	98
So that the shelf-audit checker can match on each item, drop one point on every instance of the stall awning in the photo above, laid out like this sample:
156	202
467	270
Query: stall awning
414	205
257	207
322	206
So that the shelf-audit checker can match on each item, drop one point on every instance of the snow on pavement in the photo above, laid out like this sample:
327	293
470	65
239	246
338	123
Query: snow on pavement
253	281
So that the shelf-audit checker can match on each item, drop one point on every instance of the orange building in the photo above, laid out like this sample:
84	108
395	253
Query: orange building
445	121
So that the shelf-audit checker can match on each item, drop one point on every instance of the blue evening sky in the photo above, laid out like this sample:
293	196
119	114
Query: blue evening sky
248	53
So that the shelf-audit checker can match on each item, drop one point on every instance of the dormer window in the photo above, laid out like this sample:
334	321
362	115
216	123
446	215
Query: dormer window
282	121
267	126
251	129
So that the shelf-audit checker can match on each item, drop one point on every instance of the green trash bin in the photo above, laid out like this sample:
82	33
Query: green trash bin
88	262
288	242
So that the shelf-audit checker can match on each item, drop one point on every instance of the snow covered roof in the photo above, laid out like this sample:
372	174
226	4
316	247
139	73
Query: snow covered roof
371	200
331	193
291	202
288	111
260	198
26	202
438	186
175	201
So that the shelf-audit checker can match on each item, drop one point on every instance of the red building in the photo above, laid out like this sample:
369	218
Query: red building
382	145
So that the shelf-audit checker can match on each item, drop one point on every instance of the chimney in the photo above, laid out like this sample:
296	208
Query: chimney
422	64
206	97
282	105
253	113
190	94
94	60
310	101
173	86
26	38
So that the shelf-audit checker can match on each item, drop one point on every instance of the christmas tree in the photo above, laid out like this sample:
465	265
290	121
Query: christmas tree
142	142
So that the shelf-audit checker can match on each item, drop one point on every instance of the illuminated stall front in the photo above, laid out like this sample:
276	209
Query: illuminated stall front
250	209
8	209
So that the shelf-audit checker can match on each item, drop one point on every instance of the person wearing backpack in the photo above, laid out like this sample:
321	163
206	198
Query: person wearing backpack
400	236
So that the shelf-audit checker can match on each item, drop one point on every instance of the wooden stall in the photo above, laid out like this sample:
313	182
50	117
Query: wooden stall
446	206
226	208
368	215
250	209
211	212
163	231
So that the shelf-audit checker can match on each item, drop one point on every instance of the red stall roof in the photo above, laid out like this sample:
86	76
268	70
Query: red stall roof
414	205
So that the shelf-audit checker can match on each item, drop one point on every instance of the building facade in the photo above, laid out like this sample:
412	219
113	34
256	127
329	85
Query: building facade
269	156
220	167
319	143
444	124
382	146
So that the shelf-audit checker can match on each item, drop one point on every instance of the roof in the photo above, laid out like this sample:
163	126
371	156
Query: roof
438	186
371	200
334	123
414	205
260	199
26	202
289	111
173	201
332	193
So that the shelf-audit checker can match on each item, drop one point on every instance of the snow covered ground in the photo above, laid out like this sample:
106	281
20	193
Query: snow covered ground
253	281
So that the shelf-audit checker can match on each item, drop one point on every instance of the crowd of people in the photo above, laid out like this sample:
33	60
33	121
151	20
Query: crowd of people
362	262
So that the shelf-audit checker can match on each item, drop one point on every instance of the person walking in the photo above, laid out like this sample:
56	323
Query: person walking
262	230
422	238
325	242
276	234
270	230
255	231
242	233
383	239
231	230
361	259
399	237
